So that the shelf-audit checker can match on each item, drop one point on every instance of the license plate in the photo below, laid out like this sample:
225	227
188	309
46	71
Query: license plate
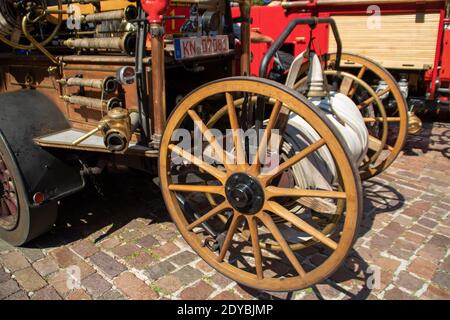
192	47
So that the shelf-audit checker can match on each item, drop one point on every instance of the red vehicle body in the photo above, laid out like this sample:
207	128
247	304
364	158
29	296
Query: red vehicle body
429	83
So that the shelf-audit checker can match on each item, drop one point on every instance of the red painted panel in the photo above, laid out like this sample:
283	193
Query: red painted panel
445	59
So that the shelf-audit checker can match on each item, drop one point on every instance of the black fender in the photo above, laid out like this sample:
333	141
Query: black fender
27	114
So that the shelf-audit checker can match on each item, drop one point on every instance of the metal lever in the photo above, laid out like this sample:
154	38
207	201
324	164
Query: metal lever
88	135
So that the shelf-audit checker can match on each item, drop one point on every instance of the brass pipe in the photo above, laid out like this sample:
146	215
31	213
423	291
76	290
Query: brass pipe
158	82
93	103
36	43
124	44
108	84
129	13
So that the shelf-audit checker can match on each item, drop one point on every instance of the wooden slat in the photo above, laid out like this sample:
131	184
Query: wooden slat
404	41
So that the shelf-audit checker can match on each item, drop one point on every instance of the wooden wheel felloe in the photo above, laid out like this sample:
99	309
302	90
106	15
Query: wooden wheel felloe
251	202
382	150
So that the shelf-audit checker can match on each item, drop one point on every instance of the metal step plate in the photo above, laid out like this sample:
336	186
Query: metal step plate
63	140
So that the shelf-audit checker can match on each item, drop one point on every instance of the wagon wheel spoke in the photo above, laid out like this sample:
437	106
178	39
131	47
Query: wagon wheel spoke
318	205
219	175
253	226
262	149
225	157
197	188
229	237
212	213
355	86
377	144
273	192
268	222
370	100
381	119
267	177
236	130
282	212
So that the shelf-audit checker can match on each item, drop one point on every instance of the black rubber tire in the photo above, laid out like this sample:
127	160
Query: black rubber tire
33	221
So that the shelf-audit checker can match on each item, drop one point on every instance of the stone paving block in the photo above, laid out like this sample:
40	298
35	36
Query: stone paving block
8	288
61	282
221	280
134	288
422	267
5	247
19	295
46	266
141	260
4	276
226	295
96	285
203	266
110	243
147	242
160	269
397	294
168	284
125	250
47	293
78	294
442	279
29	279
85	248
435	293
66	258
166	249
183	258
14	261
200	291
187	275
32	254
112	295
107	264
409	282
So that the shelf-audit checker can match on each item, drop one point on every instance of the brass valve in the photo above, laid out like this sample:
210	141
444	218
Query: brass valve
117	128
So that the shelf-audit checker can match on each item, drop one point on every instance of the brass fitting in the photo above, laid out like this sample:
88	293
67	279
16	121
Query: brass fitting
117	128
414	123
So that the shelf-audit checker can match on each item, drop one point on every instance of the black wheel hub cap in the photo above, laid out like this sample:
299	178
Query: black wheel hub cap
244	193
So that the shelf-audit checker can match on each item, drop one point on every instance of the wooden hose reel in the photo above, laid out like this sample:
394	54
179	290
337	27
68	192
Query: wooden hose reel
388	128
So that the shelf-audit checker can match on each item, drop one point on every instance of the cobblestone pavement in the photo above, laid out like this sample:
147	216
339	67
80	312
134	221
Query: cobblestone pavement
125	246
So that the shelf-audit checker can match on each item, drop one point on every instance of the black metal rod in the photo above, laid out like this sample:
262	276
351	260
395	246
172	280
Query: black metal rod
312	22
141	79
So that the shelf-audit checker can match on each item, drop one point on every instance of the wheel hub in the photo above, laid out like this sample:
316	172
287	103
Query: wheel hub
244	193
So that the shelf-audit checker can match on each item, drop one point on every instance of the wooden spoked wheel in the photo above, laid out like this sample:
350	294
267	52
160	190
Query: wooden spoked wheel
382	152
325	217
252	204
